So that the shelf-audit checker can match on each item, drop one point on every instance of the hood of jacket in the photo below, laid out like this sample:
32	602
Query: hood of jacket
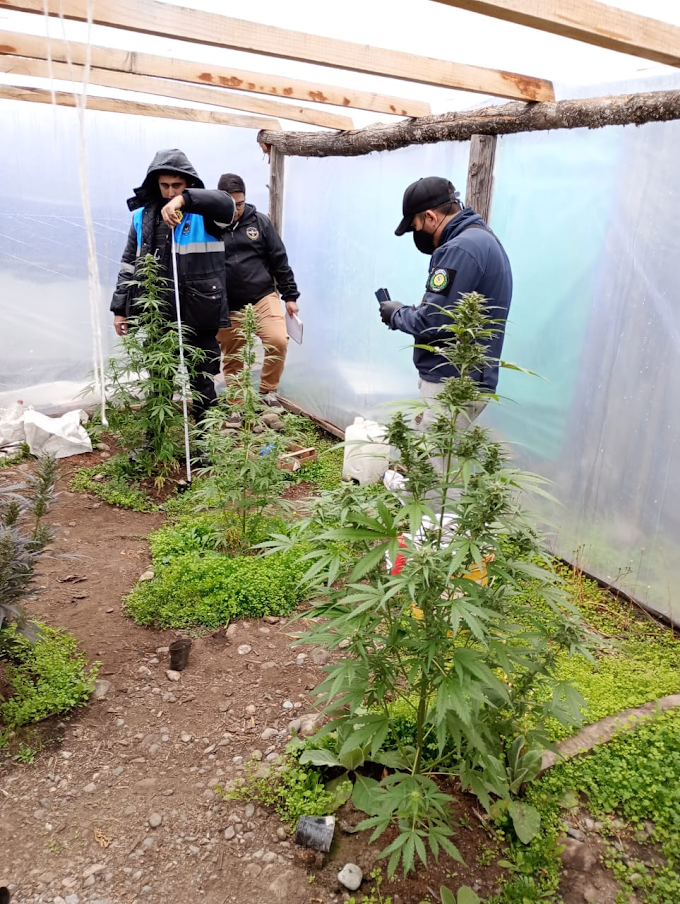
171	160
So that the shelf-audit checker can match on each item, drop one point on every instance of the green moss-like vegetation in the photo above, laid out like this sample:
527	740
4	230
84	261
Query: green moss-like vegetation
115	485
47	677
197	584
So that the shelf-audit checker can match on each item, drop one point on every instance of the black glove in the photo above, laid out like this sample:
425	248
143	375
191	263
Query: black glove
387	309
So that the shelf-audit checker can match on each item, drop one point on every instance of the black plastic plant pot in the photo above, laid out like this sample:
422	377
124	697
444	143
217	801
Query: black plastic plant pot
4	895
315	832
179	655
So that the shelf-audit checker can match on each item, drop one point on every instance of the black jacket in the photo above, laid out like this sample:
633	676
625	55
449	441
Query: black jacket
200	249
256	261
469	259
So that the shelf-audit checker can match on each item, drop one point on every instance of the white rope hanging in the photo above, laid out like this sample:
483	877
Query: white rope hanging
94	286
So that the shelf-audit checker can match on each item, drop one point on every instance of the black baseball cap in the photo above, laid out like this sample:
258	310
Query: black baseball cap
425	194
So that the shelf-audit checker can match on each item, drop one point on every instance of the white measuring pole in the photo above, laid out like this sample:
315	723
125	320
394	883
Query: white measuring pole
183	374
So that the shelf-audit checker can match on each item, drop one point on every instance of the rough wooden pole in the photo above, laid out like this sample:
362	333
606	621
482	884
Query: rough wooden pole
504	119
276	165
480	174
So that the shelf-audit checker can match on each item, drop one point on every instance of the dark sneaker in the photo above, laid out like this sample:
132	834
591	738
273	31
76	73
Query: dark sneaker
270	399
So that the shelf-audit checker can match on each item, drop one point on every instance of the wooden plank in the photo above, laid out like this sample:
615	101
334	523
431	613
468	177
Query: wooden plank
154	18
134	108
587	21
209	74
480	174
505	119
276	175
168	88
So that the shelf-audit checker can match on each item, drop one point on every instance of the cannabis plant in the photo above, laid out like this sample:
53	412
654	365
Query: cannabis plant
243	477
23	537
144	379
444	674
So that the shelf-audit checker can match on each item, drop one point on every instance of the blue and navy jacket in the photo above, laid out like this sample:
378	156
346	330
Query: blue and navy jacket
200	249
469	258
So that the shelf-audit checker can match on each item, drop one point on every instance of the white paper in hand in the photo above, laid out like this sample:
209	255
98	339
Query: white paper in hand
294	327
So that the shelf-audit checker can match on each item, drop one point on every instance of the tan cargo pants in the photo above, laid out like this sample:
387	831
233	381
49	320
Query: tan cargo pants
271	329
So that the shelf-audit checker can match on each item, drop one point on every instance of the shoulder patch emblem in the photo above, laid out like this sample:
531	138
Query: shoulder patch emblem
252	233
440	280
186	227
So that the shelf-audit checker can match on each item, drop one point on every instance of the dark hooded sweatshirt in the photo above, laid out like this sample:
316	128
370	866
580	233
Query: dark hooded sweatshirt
469	258
200	249
256	261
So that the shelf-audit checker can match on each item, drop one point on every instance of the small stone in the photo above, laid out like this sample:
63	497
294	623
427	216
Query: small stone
589	824
575	833
350	876
281	833
256	755
231	630
172	675
229	833
169	698
155	820
251	709
153	749
295	726
185	737
91	870
579	856
238	761
225	706
287	704
148	575
271	857
270	664
269	733
162	651
101	689
89	882
272	757
71	899
249	811
321	657
263	630
144	670
45	802
118	771
636	880
89	788
301	659
244	649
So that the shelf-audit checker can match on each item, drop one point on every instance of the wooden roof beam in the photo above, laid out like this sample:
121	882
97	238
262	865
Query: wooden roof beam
209	74
587	21
200	27
167	88
505	119
134	108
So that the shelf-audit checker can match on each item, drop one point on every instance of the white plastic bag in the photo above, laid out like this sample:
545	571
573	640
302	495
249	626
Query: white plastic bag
12	425
58	436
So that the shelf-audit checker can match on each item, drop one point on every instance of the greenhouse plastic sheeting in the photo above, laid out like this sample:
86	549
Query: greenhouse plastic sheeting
46	337
589	219
340	217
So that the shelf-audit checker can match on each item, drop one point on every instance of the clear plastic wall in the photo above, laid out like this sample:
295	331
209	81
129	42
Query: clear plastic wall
589	219
46	336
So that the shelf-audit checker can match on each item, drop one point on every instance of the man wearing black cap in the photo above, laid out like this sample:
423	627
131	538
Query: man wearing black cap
465	257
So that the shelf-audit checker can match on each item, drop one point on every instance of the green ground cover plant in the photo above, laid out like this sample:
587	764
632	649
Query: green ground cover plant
113	482
47	675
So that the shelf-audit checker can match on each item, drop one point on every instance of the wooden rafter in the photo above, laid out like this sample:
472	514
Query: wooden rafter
506	119
587	21
196	26
134	108
38	47
168	88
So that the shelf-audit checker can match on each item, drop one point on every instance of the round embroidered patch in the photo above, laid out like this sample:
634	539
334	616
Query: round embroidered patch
252	233
439	279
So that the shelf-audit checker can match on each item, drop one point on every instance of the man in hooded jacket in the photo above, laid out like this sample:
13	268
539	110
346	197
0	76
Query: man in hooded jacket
172	185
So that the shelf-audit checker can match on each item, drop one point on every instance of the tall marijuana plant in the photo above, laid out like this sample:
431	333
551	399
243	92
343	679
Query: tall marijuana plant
23	537
444	674
243	478
144	378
